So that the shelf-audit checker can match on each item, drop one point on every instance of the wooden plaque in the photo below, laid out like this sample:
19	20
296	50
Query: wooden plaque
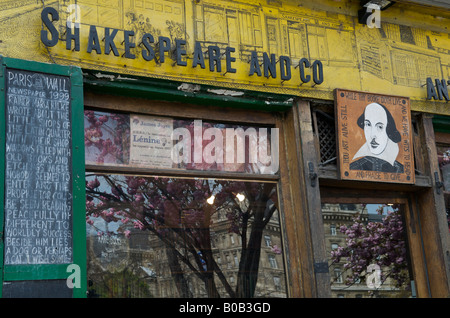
374	137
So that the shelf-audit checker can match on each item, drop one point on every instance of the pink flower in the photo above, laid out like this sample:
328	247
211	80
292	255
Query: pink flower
93	184
138	225
276	249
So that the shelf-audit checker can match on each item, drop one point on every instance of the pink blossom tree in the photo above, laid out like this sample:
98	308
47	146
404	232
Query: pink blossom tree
380	243
177	213
107	136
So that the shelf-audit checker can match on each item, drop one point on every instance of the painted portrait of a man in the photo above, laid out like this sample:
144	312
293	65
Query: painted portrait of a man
380	151
374	137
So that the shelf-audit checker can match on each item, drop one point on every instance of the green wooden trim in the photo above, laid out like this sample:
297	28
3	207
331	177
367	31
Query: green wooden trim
78	180
157	89
2	167
52	271
35	272
37	67
441	123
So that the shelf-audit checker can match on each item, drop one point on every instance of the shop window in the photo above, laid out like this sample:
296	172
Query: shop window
373	256
151	223
146	141
444	165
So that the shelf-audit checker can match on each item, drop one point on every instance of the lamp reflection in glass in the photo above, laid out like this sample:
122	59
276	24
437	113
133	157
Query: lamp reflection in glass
210	200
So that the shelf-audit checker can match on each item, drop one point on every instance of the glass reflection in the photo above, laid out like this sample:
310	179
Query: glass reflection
106	137
167	143
368	250
443	152
175	237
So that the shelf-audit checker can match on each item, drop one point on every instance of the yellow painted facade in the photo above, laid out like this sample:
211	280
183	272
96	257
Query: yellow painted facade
395	59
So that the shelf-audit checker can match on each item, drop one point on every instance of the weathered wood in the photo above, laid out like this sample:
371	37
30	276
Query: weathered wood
416	252
173	109
182	173
412	223
337	195
419	164
308	151
433	221
442	137
300	258
316	137
329	175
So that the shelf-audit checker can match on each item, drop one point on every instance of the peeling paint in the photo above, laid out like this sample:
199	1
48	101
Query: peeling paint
191	88
225	92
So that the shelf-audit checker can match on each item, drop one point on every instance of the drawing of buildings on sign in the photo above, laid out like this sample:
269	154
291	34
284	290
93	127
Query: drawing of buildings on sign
402	55
132	15
19	12
295	34
227	24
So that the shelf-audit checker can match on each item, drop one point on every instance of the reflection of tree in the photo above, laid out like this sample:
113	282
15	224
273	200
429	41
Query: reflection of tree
444	161
108	134
177	213
380	243
123	284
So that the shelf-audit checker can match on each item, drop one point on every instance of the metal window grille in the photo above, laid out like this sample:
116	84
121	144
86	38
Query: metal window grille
326	133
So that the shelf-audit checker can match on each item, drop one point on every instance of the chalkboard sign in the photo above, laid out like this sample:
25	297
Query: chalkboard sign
55	288
41	178
38	202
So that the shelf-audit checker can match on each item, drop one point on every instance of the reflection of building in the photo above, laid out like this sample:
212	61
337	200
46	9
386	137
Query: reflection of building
143	260
335	216
227	247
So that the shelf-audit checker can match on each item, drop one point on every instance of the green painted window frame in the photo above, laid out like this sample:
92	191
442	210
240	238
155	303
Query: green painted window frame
51	271
441	123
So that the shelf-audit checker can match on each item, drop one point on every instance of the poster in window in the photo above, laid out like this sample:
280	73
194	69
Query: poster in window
374	137
151	141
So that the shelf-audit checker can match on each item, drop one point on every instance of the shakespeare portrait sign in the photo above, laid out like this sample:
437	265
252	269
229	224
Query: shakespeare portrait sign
374	137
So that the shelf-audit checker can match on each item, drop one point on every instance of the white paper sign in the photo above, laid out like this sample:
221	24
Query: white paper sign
151	143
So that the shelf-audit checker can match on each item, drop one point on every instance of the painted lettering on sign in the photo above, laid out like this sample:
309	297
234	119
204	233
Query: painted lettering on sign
438	89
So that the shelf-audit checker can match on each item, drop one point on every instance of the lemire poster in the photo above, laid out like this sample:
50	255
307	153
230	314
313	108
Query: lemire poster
150	141
374	137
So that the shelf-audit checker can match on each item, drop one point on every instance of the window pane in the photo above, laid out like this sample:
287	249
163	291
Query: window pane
106	138
444	164
368	255
168	143
169	237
